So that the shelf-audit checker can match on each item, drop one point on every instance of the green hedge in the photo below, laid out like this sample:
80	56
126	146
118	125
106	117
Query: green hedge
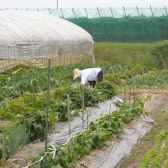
159	53
125	29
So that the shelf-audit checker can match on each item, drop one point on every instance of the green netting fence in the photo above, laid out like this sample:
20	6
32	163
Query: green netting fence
117	24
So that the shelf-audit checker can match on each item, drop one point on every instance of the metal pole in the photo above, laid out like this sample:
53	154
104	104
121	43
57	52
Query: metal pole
74	12
111	12
34	93
134	89
99	12
130	96
86	13
50	11
124	11
87	19
57	4
4	146
83	105
62	13
47	101
105	30
69	119
166	10
125	96
151	11
137	11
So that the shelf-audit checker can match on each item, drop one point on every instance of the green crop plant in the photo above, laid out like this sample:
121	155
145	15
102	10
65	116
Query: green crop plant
16	83
120	77
20	83
26	105
157	156
153	80
102	130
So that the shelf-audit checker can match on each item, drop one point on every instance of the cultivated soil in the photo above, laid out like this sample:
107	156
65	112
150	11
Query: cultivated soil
157	104
157	109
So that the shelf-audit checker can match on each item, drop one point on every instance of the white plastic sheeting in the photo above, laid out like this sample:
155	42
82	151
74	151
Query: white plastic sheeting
32	37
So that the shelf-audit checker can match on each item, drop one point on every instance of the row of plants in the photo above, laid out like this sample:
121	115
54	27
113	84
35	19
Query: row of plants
22	80
18	81
153	80
102	130
32	108
157	156
29	110
121	77
30	113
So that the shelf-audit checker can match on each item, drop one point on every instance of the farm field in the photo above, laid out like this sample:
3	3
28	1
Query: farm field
151	151
125	66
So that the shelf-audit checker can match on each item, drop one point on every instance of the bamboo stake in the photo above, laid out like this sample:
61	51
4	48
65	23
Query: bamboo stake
47	102
83	105
69	119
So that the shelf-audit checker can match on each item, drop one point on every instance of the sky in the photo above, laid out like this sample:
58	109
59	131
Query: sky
80	3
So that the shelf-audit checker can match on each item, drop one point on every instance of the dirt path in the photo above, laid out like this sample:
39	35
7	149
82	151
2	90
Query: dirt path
157	103
158	109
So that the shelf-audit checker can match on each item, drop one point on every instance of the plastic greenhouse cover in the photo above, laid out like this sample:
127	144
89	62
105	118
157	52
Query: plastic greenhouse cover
26	35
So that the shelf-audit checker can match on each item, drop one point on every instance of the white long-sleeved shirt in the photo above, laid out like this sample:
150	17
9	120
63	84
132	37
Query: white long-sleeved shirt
89	74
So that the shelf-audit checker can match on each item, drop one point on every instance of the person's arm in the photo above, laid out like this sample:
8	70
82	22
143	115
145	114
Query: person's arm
83	79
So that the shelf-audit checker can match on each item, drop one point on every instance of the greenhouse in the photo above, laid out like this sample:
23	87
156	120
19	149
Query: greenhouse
30	38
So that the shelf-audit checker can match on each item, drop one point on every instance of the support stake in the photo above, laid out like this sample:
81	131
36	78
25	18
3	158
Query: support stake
69	119
83	105
47	102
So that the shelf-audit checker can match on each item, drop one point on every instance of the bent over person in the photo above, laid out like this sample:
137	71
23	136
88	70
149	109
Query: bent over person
90	75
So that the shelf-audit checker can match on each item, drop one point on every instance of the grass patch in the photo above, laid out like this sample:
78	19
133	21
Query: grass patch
123	53
157	156
153	80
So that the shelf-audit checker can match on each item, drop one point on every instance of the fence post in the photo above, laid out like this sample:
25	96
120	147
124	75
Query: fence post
99	12
83	105
62	13
125	96
124	11
69	119
86	13
4	146
111	12
151	11
166	10
50	11
74	12
137	11
87	17
47	102
34	92
105	30
57	4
